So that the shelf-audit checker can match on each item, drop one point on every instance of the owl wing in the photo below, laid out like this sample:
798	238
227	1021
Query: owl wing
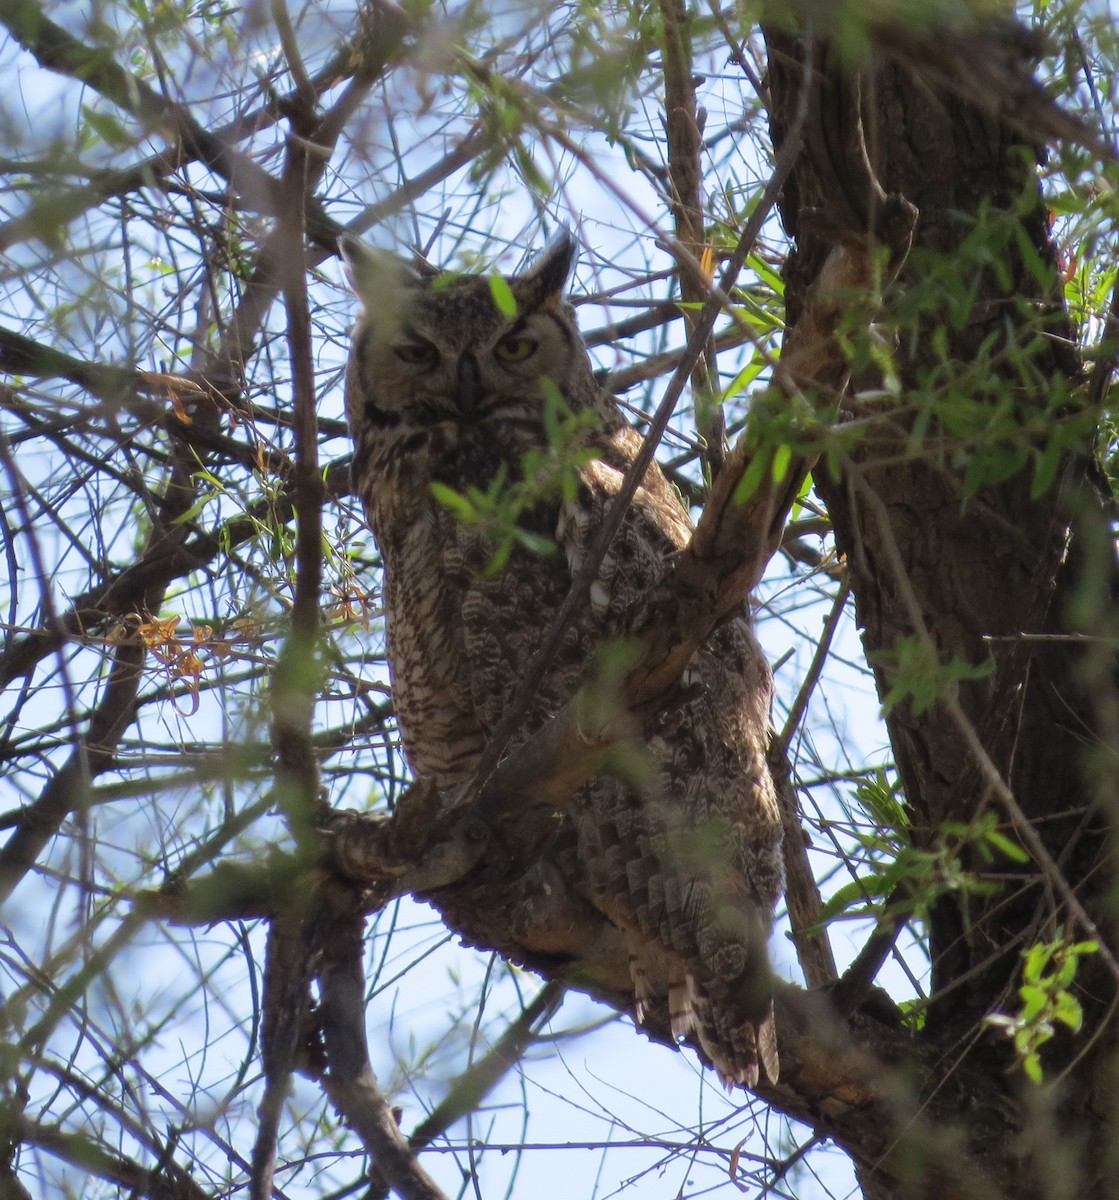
685	857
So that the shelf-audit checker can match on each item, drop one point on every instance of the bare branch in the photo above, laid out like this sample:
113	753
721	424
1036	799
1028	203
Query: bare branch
293	937
349	1081
467	1092
85	1152
684	135
59	51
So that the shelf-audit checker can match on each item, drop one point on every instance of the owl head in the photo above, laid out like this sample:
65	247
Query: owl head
464	355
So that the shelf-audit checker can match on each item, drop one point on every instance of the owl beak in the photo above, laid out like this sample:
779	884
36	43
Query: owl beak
468	386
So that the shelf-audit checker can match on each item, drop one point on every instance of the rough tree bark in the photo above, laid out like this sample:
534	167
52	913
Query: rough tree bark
978	568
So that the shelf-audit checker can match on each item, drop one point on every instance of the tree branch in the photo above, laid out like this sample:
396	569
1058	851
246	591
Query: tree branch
349	1081
682	127
294	934
88	1155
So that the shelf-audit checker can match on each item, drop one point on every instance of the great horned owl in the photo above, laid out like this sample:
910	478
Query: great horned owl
457	381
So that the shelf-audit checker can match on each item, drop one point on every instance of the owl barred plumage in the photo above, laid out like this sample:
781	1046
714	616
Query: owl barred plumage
682	860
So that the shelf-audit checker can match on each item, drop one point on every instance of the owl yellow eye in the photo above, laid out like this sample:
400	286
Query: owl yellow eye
417	353
515	349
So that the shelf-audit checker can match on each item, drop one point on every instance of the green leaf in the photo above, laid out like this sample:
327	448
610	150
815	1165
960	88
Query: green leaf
535	542
1069	1012
915	1013
1011	849
1034	1000
194	510
503	296
1046	463
766	273
1066	973
1037	959
500	557
108	128
455	501
802	494
858	892
782	457
751	479
880	794
1031	1064
746	376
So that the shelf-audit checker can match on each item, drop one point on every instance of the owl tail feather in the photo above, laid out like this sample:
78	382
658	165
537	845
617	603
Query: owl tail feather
766	1033
739	1050
682	1002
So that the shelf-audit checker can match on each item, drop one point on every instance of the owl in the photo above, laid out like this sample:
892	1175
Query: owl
486	455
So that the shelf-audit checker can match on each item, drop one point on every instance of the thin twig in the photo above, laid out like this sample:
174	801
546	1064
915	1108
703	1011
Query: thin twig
67	789
802	893
60	208
816	667
305	92
468	1091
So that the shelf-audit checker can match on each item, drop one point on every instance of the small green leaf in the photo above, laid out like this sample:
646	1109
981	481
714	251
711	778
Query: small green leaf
766	273
1066	973
857	892
455	501
1046	463
503	296
746	376
1069	1012
802	494
500	557
1034	1000
751	479
1031	1064
782	457
108	128
1037	959
1011	849
534	541
193	511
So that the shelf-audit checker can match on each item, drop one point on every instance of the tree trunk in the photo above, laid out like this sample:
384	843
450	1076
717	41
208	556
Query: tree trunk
967	505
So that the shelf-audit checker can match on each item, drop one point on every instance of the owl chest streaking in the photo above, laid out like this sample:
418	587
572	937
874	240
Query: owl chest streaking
458	387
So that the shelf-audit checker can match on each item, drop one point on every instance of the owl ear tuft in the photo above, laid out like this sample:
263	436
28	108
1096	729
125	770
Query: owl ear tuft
361	263
370	271
544	283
